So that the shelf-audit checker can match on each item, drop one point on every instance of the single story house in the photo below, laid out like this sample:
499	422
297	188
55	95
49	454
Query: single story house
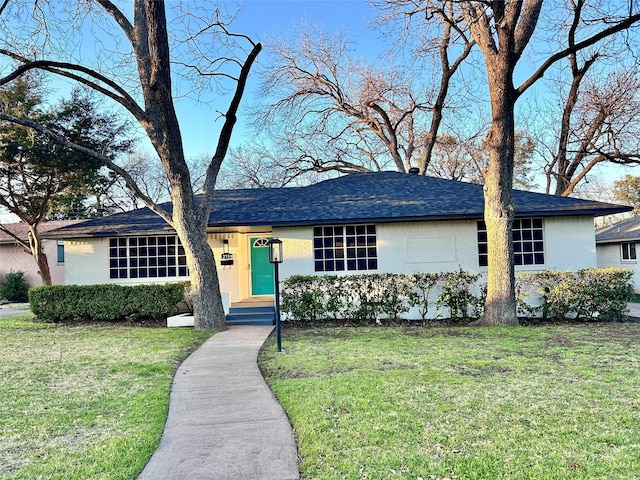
15	258
359	223
616	246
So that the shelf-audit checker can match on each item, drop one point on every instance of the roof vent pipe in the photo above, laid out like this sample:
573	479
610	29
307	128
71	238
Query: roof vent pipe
414	170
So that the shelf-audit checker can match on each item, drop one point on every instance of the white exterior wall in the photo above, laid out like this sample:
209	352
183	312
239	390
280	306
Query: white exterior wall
569	243
87	263
610	255
411	247
434	247
227	275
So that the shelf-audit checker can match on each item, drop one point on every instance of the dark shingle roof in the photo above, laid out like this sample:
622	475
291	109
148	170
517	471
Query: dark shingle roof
626	230
363	197
21	230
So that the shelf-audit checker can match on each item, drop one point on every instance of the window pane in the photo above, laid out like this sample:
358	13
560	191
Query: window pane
329	245
528	242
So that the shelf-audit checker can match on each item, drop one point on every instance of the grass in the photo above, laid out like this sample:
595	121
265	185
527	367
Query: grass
554	402
80	402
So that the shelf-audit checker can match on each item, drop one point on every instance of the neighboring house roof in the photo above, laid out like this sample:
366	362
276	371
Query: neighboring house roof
624	231
357	198
22	231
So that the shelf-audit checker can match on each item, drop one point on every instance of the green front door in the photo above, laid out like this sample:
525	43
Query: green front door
261	269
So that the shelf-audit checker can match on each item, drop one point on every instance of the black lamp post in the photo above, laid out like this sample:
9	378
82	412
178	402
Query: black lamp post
275	257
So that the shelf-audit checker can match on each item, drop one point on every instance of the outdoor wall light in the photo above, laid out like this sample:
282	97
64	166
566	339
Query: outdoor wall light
226	257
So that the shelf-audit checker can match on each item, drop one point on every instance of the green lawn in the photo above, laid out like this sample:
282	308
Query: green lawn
84	402
553	402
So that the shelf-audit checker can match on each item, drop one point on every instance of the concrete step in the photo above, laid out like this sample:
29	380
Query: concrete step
263	315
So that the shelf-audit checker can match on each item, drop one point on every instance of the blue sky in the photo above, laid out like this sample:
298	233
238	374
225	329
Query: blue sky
262	20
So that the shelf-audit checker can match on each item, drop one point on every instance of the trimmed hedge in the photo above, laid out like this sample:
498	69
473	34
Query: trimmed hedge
588	294
367	297
593	293
60	303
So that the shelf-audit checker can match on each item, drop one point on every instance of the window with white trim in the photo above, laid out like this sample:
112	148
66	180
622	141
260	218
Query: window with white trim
628	251
528	242
345	247
147	257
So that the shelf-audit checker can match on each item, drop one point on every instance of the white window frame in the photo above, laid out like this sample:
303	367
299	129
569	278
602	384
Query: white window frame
628	252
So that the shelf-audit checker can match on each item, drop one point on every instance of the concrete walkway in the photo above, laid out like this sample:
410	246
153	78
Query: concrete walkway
224	422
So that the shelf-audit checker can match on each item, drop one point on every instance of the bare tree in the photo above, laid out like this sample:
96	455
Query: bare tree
468	160
503	29
339	114
42	38
600	123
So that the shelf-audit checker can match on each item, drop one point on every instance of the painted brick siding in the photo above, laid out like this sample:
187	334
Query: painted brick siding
609	255
411	247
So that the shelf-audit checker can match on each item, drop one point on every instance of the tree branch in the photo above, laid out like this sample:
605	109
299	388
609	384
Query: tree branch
618	27
225	135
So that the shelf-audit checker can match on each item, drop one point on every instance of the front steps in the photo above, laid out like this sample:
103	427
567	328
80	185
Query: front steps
252	312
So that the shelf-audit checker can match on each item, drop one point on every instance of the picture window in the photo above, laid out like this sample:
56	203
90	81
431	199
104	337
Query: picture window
345	247
147	257
528	242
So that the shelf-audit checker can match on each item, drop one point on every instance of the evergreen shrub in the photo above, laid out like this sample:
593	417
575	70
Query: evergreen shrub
60	303
14	287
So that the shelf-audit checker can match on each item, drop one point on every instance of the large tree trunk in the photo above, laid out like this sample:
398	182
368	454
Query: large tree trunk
154	67
35	244
204	290
500	305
